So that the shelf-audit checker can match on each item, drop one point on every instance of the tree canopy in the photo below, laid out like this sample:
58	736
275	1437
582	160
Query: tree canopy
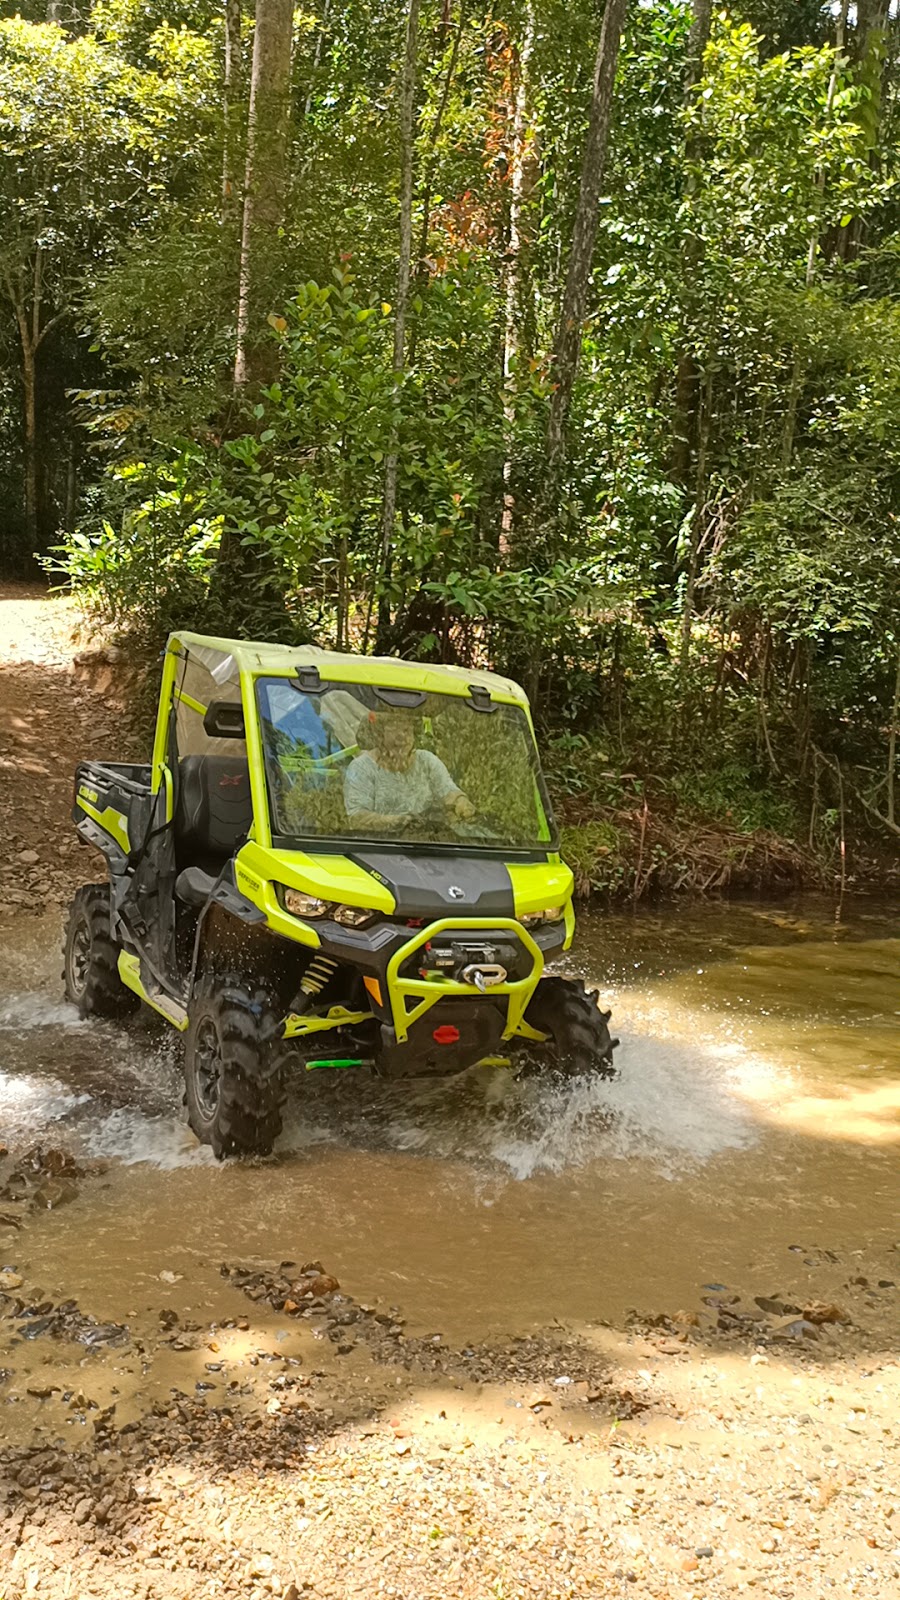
602	391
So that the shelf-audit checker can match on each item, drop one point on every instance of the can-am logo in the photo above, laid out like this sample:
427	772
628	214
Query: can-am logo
455	892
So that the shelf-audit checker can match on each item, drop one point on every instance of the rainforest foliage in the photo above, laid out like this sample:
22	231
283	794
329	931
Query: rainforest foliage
553	336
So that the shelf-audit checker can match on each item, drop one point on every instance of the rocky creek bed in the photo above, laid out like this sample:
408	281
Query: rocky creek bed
303	1443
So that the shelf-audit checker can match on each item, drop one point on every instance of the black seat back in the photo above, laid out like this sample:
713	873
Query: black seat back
213	809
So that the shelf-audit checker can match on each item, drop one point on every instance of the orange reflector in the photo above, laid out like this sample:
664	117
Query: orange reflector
374	988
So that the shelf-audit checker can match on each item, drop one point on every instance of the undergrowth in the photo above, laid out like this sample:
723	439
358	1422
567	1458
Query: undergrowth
628	833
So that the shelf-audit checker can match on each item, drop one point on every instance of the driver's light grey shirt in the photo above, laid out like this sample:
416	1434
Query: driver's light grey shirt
423	786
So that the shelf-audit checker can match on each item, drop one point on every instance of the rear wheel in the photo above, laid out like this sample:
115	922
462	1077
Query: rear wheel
233	1068
91	956
577	1040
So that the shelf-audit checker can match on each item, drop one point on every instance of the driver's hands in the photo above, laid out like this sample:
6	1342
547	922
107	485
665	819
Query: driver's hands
462	807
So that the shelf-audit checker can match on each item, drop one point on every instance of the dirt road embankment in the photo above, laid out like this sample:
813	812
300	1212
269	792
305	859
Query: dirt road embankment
63	697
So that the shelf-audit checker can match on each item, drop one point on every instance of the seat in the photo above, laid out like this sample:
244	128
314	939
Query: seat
213	810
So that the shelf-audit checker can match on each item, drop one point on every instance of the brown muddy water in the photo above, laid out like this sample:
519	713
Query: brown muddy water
757	1112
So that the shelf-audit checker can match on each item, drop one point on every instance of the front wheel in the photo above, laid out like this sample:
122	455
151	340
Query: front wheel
233	1070
91	957
577	1040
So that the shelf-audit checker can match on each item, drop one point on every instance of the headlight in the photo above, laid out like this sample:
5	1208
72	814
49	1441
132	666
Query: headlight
353	916
535	918
304	905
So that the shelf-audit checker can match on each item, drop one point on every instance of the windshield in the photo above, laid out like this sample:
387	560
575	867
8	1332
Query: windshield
357	762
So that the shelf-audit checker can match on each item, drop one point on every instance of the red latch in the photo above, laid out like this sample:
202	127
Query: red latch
446	1034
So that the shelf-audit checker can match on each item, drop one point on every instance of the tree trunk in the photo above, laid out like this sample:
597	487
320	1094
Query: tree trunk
567	346
871	27
232	87
27	306
866	50
71	509
698	39
29	384
798	370
698	533
420	274
265	181
407	142
840	33
317	55
513	288
435	134
892	745
688	375
872	23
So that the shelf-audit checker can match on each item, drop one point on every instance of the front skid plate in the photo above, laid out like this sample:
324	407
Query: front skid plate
295	1026
299	1027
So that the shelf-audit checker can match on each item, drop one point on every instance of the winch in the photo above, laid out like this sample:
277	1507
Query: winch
484	964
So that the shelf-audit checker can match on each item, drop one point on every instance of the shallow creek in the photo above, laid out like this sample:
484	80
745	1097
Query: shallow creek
758	1109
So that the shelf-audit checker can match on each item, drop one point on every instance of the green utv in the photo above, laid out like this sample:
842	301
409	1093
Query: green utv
331	861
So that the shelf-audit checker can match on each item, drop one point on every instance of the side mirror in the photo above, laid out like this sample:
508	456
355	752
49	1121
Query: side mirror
224	719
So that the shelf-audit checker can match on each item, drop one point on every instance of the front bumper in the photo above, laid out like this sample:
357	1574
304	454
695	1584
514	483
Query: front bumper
411	997
385	954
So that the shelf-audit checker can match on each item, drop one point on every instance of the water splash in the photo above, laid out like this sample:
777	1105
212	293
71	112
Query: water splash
671	1107
24	1012
687	1090
135	1139
28	1103
674	1105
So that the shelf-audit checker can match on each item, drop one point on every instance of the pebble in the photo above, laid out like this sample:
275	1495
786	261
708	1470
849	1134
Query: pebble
796	1328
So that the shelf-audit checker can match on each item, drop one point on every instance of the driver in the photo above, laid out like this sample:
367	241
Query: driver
394	782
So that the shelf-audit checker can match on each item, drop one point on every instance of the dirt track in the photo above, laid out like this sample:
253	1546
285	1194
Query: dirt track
183	1435
50	717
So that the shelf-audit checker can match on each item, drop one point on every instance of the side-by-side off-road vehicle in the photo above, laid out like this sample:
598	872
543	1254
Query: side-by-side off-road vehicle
331	861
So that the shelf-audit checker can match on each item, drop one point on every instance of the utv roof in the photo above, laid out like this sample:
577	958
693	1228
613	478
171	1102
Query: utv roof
389	671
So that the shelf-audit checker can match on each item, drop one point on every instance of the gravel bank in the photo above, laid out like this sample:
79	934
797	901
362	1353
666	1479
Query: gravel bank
729	1448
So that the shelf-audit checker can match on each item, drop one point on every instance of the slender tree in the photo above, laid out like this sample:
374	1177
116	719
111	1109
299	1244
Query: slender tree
513	267
688	376
567	345
321	34
266	176
795	388
232	92
871	50
871	24
408	80
24	286
434	132
693	389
